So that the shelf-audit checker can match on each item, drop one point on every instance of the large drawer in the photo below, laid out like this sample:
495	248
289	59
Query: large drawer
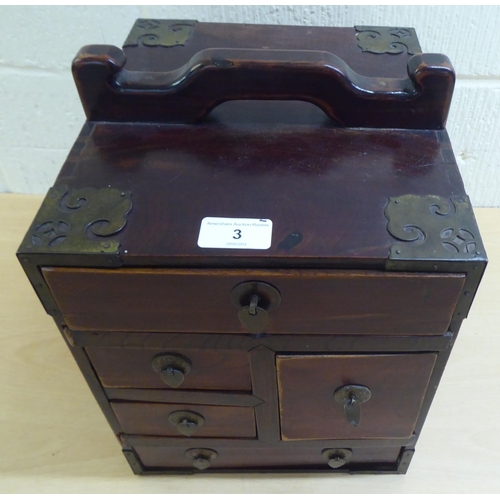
157	457
312	301
394	386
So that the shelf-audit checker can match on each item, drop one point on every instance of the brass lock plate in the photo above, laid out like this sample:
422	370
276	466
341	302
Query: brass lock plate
269	296
255	299
351	397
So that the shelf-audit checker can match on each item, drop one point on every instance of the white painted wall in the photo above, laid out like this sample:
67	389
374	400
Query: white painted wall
41	115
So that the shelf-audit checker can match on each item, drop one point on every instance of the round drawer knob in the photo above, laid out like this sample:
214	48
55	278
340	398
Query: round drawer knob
201	457
172	368
337	457
186	422
336	461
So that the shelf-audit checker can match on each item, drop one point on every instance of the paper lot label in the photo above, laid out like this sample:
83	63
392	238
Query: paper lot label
240	234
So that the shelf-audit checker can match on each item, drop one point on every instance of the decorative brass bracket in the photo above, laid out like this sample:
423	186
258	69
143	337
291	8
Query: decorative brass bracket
433	228
384	40
438	235
159	32
78	221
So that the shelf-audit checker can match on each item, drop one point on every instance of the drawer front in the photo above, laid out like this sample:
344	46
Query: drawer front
318	302
233	458
208	369
309	409
206	421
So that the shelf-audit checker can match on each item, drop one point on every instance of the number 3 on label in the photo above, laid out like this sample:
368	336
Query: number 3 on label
238	234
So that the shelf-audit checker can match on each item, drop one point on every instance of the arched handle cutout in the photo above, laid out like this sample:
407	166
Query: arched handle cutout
109	92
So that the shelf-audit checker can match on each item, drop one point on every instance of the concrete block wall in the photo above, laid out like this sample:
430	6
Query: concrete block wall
40	113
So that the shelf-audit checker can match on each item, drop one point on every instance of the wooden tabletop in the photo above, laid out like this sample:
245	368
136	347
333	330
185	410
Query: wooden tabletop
54	437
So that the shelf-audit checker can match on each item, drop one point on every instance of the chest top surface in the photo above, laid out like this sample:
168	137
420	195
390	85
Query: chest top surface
335	136
325	189
166	45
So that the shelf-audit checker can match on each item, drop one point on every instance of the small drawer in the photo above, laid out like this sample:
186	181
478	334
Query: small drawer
185	420
352	396
211	370
201	300
214	457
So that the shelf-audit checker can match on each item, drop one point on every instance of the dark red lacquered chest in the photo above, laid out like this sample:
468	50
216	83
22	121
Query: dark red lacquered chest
260	250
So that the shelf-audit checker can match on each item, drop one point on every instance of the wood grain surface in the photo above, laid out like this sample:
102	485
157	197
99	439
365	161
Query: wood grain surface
199	300
54	437
260	170
221	61
210	369
156	456
153	419
307	383
111	93
275	37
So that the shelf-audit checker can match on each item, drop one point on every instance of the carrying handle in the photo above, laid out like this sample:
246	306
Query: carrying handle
109	92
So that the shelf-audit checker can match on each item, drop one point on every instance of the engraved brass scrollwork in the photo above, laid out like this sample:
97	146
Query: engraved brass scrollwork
79	221
383	40
433	227
158	32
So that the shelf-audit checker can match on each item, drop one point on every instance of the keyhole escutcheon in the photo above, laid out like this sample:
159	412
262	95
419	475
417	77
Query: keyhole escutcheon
351	397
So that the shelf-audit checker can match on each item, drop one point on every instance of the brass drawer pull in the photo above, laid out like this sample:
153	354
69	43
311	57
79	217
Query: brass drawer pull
186	422
201	457
172	368
352	397
337	457
255	299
